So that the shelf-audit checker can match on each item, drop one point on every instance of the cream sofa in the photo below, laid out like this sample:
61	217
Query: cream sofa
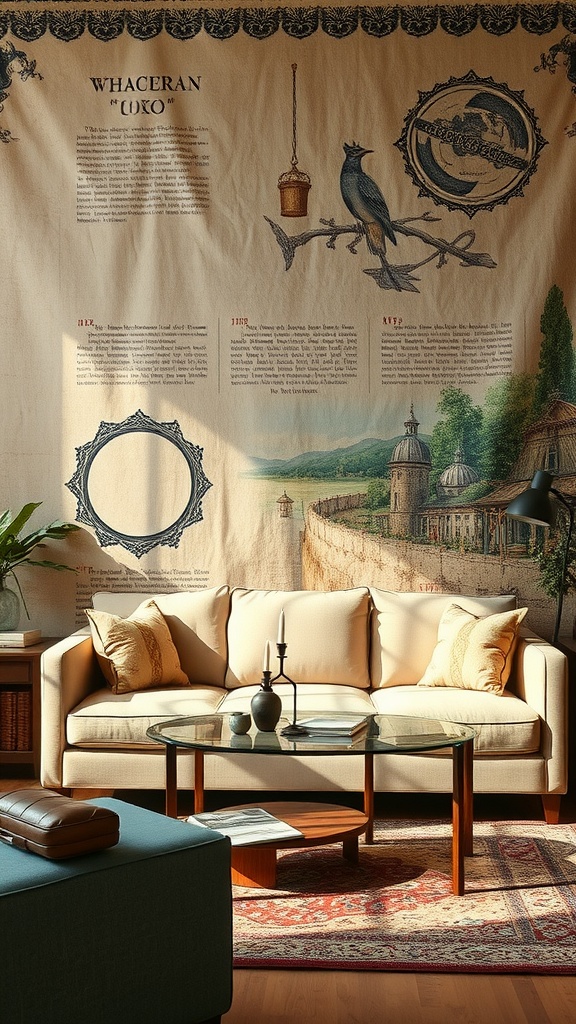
358	650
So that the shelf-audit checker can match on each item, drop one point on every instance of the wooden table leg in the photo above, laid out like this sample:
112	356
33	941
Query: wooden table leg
469	798
369	797
462	797
254	866
457	820
171	782
350	849
198	781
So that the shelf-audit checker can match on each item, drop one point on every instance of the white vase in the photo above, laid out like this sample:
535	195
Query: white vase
9	609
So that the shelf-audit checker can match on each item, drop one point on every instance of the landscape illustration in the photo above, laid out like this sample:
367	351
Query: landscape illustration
449	490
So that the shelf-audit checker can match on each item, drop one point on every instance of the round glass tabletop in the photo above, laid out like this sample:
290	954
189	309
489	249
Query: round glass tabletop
377	734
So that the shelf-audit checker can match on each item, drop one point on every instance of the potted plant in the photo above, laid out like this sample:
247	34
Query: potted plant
16	550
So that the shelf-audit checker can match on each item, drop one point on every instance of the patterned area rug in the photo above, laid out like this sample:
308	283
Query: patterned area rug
395	909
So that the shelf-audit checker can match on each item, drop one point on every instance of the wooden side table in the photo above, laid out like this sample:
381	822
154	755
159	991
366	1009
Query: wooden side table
20	703
255	866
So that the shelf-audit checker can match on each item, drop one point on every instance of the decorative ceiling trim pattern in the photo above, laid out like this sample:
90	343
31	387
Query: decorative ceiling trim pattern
222	23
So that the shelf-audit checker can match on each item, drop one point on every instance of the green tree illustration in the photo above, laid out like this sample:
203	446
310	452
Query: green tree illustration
556	369
551	564
508	411
461	426
377	493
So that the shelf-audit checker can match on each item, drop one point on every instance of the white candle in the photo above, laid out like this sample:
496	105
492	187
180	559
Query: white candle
266	662
281	627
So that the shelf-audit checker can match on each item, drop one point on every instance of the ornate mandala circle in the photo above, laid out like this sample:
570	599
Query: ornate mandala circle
105	466
471	144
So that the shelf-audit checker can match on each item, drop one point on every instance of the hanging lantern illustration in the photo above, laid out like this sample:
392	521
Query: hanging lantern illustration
285	506
294	184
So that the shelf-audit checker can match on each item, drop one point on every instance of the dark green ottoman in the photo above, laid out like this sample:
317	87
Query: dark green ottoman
138	934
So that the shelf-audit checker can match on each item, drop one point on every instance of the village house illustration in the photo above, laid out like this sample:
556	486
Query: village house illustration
481	525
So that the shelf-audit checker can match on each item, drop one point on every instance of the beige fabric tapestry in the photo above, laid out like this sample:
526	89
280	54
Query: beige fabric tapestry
288	292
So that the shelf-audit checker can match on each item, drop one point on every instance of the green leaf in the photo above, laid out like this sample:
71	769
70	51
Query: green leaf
13	526
50	565
16	550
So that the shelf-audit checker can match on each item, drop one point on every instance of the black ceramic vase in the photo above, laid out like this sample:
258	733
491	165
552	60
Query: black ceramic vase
266	707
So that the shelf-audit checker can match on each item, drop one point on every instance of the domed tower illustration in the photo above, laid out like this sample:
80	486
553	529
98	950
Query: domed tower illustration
457	477
409	480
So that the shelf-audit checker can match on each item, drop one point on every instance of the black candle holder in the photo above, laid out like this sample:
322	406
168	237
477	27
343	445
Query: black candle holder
292	729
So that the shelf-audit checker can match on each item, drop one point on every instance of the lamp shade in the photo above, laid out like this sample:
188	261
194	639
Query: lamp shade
535	505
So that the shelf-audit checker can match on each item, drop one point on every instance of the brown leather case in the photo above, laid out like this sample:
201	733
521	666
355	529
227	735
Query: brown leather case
55	826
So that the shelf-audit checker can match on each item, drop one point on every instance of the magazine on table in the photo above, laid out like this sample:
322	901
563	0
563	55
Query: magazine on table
343	726
415	739
246	826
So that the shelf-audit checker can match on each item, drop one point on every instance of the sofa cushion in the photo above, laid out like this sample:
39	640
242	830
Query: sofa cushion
319	698
196	620
326	635
474	653
135	653
404	630
105	719
504	724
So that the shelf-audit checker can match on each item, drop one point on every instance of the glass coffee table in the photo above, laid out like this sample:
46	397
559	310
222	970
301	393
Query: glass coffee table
323	823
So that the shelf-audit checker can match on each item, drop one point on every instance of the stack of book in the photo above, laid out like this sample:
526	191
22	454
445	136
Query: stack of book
23	638
340	731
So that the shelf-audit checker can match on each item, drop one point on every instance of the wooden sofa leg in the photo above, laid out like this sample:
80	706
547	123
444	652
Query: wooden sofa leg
551	805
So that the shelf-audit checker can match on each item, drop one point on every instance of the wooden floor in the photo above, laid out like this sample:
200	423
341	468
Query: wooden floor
348	997
371	997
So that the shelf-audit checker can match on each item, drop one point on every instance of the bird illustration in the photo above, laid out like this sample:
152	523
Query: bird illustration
365	200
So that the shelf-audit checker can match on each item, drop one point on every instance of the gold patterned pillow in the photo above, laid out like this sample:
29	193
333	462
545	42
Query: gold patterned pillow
136	653
474	653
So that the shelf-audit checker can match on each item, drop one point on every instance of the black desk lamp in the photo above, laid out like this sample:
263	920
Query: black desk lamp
535	506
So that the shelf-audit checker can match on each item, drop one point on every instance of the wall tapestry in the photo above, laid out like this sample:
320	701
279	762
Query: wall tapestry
289	292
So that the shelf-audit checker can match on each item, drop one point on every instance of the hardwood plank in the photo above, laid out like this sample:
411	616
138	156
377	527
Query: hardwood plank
529	1000
558	997
394	997
356	997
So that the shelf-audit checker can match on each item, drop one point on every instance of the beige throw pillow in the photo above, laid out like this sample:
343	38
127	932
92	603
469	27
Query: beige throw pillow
473	653
136	653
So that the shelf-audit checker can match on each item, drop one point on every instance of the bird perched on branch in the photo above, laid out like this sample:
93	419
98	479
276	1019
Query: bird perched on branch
365	200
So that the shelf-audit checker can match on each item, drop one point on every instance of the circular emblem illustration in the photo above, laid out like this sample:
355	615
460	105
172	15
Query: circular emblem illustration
139	483
471	144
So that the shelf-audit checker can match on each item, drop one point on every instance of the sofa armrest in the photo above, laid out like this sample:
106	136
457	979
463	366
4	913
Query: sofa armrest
540	678
69	672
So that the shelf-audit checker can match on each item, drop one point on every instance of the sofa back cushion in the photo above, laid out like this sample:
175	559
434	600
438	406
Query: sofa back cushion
404	630
197	623
327	635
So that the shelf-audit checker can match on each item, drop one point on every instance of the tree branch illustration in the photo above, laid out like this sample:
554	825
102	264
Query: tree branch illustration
388	275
